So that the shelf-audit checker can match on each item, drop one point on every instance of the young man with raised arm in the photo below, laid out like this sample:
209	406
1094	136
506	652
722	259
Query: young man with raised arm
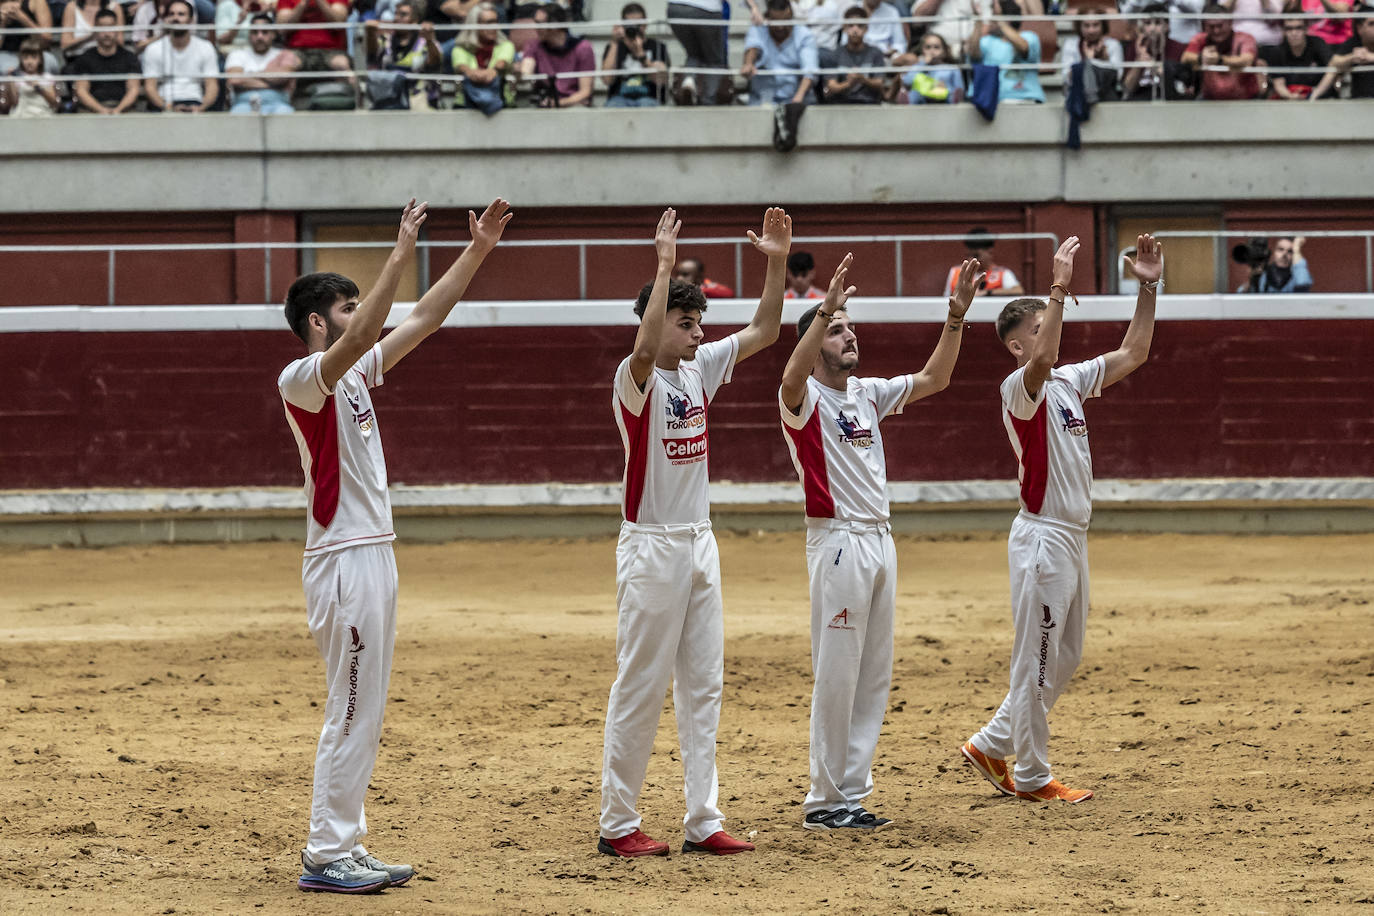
830	420
667	570
1047	552
349	571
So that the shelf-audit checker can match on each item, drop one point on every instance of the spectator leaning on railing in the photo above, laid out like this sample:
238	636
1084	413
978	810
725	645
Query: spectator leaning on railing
1002	43
780	47
941	82
484	58
1279	268
254	93
1219	45
633	50
1359	52
1091	44
558	51
34	94
180	70
1153	44
1298	49
855	87
107	58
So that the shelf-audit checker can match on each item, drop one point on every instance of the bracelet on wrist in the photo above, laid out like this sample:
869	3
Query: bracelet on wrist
1067	295
1152	286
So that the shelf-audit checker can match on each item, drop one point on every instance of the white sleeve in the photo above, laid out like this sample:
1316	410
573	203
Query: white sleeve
235	59
628	393
1015	400
209	59
716	361
371	366
151	61
1086	377
888	394
1009	278
301	384
803	415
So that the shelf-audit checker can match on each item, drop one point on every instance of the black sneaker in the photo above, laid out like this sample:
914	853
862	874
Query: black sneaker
866	820
827	820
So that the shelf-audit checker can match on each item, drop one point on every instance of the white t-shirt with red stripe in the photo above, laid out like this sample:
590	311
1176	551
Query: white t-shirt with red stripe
346	499
1049	435
837	447
663	429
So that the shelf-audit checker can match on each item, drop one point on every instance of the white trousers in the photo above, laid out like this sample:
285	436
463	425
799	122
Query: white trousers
853	571
669	627
350	599
1049	603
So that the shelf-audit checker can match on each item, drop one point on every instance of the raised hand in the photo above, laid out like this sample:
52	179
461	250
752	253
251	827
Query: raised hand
1063	261
837	296
776	240
486	230
412	218
665	237
971	274
1148	265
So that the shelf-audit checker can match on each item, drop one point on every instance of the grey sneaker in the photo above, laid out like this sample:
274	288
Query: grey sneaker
399	874
827	820
342	876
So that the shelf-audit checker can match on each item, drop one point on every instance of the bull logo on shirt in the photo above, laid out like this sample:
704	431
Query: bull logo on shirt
851	433
682	413
1074	426
366	419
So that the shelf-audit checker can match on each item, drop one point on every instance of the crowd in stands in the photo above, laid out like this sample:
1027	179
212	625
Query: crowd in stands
107	57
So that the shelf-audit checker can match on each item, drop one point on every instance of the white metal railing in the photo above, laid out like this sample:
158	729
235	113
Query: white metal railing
897	241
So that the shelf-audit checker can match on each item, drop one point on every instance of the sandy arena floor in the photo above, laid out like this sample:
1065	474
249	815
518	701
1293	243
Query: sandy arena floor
159	724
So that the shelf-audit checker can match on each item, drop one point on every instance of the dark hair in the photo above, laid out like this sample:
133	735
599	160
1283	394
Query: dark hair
1014	312
683	296
190	7
979	238
779	6
1010	8
105	12
856	12
315	293
629	8
808	316
1214	9
555	13
799	262
1158	10
32	45
267	18
1095	11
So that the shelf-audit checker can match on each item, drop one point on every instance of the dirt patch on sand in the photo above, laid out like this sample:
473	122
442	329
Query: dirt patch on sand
159	721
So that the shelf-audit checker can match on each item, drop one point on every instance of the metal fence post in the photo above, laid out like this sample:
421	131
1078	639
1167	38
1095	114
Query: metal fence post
110	277
739	269
1369	262
582	271
897	258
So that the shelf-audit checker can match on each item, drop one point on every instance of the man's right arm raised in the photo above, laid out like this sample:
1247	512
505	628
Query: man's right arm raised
651	323
1045	350
803	358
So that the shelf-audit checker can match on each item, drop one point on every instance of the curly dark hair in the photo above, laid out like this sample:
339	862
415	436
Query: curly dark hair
315	293
684	296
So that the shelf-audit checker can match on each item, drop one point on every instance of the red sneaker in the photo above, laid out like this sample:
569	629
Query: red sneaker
1054	790
719	843
993	769
632	846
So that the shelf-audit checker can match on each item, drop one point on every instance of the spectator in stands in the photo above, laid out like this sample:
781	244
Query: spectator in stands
1091	44
445	14
78	26
856	87
1359	52
940	82
1000	281
825	19
148	14
253	93
780	47
704	46
232	21
801	270
1277	268
956	25
693	271
484	58
1264	31
34	94
107	58
633	50
1152	43
402	48
1221	46
1335	31
317	50
887	32
1003	43
22	14
557	51
1298	49
180	70
1183	16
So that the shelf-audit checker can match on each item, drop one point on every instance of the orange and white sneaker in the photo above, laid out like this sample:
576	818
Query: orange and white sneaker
992	769
1054	790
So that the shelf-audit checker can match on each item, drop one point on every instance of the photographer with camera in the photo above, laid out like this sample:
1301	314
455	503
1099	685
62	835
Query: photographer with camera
1277	269
632	50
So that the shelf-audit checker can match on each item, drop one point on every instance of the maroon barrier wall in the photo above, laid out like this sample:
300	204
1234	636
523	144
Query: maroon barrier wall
169	409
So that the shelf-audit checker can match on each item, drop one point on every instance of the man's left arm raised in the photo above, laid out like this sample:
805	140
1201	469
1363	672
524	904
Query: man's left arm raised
1147	267
938	370
775	242
434	306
